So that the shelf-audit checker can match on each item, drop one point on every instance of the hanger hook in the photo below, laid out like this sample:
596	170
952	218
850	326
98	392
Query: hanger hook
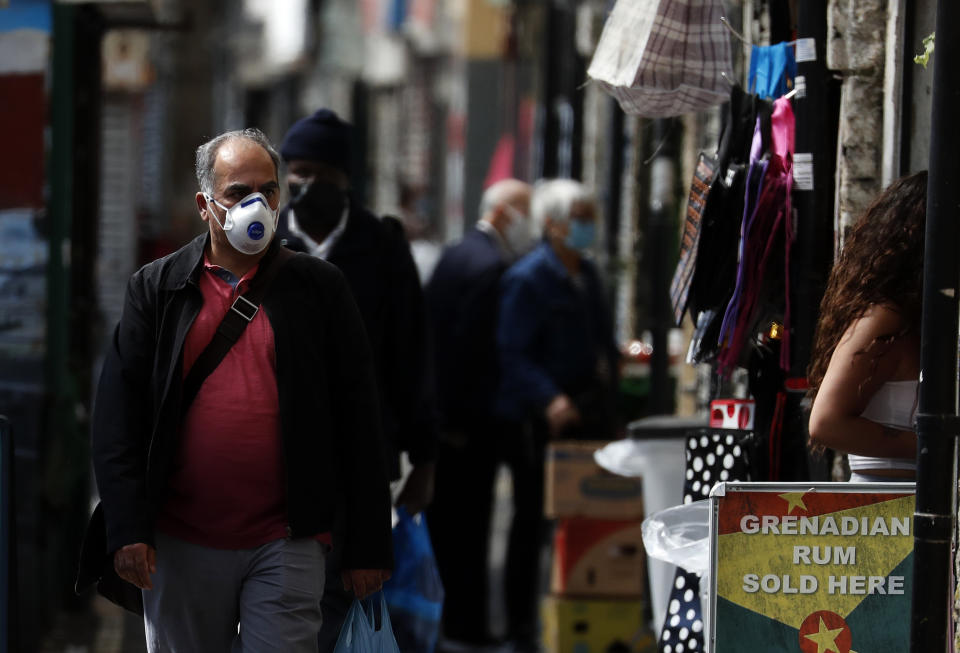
726	23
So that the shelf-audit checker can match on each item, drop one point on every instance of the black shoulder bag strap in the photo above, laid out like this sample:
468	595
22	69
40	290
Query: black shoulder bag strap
244	309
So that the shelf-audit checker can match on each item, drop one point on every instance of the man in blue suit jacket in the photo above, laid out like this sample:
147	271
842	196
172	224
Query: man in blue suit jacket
462	298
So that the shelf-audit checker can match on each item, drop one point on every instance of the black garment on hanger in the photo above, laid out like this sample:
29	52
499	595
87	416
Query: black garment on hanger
715	275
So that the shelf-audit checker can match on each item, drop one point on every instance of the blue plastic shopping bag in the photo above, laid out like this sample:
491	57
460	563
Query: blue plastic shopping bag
414	593
361	632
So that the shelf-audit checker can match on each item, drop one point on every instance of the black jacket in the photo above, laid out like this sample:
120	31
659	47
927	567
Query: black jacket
462	298
332	444
374	256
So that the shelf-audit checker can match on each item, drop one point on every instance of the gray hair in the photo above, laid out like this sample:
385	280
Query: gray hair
499	193
207	154
553	199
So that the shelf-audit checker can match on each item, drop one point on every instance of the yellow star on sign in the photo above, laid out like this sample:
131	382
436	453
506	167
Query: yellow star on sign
793	500
825	638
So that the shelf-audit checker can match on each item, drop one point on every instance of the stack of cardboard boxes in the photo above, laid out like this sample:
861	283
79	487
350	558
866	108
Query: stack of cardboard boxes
598	582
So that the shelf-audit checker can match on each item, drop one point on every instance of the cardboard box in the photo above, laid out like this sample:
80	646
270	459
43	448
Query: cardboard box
598	558
575	626
577	487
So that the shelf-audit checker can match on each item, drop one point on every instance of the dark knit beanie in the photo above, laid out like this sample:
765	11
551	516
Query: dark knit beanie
322	137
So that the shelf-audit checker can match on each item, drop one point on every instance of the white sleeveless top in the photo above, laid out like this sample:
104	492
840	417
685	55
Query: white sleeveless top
893	405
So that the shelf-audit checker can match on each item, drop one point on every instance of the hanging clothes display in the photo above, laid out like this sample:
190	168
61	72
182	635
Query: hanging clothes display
765	238
739	289
714	277
662	58
741	278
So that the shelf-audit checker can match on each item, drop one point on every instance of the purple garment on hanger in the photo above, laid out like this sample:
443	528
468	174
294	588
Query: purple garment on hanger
756	170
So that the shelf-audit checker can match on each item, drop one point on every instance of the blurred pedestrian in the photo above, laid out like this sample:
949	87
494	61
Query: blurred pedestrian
558	364
462	299
424	246
326	221
220	458
865	367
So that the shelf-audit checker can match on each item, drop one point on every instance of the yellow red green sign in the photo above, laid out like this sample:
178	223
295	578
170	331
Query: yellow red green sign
822	570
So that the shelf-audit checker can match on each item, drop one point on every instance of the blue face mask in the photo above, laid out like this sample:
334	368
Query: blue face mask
581	235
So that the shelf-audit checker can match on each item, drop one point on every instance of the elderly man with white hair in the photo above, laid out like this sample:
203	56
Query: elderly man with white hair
558	364
462	298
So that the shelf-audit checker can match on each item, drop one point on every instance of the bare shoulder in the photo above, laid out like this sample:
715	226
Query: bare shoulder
877	343
879	324
886	317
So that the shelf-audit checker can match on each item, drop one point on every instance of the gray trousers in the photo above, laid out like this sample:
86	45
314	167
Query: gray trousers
200	596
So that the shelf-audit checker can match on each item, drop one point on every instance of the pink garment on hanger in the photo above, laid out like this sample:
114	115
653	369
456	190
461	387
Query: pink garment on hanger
783	131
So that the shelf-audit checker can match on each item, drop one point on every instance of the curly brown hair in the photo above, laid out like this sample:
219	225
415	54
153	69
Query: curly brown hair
881	264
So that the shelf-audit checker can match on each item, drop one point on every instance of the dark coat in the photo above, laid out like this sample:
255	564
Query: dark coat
462	298
332	443
554	336
374	256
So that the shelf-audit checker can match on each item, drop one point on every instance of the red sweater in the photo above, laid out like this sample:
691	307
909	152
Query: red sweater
227	490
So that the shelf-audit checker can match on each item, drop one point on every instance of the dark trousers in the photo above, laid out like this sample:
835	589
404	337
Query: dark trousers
335	602
529	532
459	520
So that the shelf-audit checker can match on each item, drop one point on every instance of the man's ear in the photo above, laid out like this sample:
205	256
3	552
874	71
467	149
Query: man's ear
499	218
202	206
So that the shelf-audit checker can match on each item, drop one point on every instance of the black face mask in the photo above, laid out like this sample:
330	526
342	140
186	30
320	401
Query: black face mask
318	205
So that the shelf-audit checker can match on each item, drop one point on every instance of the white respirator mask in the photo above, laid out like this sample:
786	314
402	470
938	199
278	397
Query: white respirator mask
249	224
520	234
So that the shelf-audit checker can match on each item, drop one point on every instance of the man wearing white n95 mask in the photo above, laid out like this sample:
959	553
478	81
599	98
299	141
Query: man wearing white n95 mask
217	499
248	224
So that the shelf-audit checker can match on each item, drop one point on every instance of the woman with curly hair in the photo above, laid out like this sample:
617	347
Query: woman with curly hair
865	365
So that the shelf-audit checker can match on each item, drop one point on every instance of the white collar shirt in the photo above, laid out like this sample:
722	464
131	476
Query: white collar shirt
321	249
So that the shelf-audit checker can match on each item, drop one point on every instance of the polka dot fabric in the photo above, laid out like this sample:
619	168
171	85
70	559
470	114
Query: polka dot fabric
682	630
712	456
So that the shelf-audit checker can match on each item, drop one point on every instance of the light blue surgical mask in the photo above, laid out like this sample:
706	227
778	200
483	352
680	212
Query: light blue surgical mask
581	235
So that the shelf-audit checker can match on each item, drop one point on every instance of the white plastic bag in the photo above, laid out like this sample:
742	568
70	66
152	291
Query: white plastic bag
680	535
644	458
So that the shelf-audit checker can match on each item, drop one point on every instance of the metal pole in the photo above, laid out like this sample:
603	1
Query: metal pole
937	424
812	253
615	156
661	227
60	172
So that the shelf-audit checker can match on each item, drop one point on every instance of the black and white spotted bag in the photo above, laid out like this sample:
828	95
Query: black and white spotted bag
712	456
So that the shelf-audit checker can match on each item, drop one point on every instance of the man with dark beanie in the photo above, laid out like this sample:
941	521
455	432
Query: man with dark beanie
325	220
